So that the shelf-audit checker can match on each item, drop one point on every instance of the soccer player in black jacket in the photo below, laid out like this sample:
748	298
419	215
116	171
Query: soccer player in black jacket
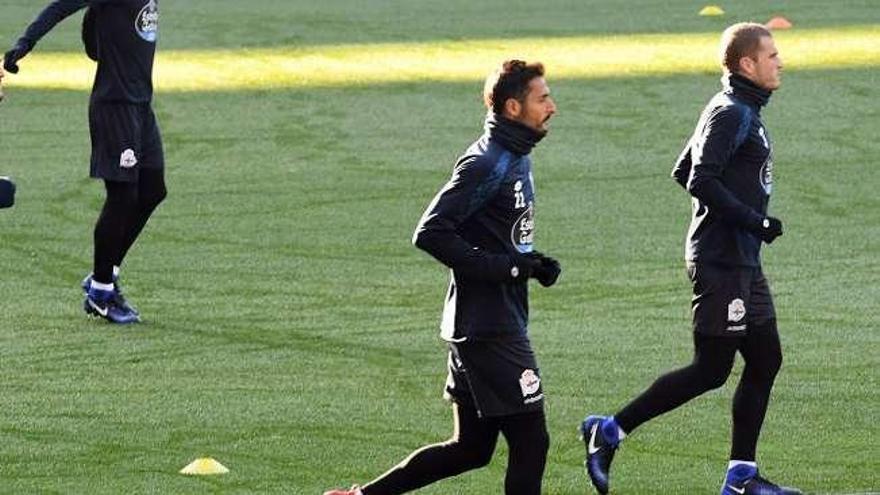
126	145
481	225
727	167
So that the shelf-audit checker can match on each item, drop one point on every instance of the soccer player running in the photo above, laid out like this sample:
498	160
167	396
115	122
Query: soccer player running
481	225
126	146
727	167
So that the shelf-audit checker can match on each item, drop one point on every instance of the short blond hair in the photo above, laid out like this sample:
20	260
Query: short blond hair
740	40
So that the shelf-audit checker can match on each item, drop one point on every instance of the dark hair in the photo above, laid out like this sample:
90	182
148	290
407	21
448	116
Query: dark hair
740	40
511	80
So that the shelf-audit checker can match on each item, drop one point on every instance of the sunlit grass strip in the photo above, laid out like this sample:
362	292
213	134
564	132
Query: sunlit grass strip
343	65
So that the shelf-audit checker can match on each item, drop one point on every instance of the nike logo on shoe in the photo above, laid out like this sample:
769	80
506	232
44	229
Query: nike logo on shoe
592	449
101	311
737	490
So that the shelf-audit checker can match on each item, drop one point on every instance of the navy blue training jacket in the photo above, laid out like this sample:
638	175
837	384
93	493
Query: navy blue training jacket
727	166
477	225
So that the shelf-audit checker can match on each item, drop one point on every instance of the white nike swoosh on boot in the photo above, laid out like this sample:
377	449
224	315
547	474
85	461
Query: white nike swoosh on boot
592	449
102	312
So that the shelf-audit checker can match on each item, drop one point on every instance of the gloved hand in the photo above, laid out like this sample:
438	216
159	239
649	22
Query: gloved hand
771	228
7	192
11	58
523	267
548	271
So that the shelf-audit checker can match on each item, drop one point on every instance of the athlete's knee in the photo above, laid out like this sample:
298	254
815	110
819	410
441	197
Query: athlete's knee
713	376
774	362
472	455
530	442
541	442
525	468
151	201
151	197
121	196
471	452
765	370
764	358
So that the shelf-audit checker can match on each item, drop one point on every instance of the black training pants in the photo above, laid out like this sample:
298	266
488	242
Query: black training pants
713	360
471	446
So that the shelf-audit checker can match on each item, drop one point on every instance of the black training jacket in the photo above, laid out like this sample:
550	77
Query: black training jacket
120	34
727	166
477	225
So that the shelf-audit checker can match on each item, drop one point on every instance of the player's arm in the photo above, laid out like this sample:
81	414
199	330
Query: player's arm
54	13
711	151
468	189
682	169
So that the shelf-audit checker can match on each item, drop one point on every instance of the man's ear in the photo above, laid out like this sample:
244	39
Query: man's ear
512	108
747	65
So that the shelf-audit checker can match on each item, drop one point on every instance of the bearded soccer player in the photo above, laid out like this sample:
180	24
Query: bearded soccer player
727	167
126	146
481	226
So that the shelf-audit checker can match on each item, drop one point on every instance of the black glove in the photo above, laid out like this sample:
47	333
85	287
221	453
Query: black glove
7	192
11	58
548	271
523	267
771	228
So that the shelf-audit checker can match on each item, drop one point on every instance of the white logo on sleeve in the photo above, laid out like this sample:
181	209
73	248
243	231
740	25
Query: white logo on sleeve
766	175
147	22
127	159
529	382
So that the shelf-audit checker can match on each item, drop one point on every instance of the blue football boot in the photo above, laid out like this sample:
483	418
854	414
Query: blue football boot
600	452
106	304
745	480
87	282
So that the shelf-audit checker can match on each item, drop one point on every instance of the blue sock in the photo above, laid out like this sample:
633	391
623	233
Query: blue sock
741	472
611	431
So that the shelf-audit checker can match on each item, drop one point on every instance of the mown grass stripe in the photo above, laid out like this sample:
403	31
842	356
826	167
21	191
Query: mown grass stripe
451	61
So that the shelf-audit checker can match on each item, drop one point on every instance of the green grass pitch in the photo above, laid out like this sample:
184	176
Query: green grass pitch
291	328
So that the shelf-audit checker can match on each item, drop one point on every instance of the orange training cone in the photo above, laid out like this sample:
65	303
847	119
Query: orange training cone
779	22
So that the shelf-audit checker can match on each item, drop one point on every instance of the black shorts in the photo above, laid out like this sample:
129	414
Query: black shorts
499	378
728	301
125	138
